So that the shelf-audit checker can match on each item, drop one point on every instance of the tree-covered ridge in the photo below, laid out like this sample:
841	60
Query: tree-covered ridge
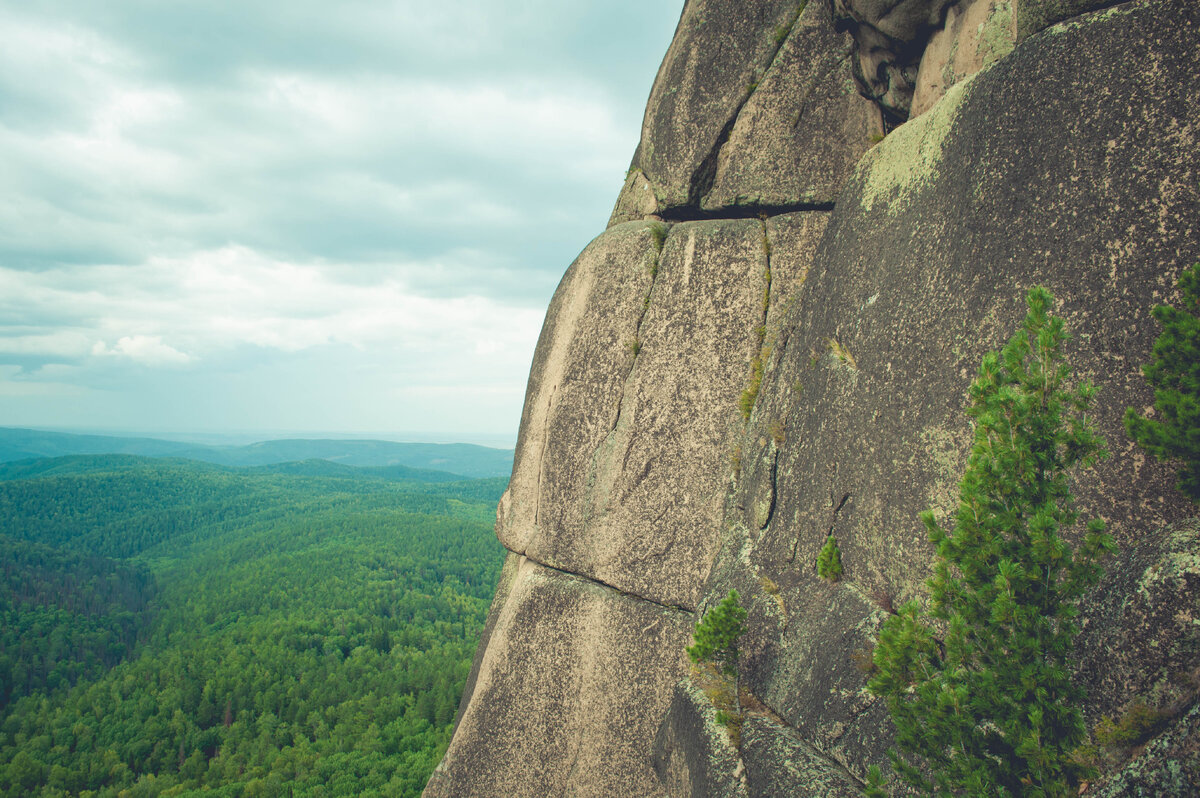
310	635
64	615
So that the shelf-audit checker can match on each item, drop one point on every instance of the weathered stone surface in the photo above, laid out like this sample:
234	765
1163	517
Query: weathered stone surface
889	41
1168	767
1036	15
923	268
976	33
813	671
582	360
1141	638
779	764
1073	162
571	687
693	755
620	472
719	51
928	256
636	200
804	126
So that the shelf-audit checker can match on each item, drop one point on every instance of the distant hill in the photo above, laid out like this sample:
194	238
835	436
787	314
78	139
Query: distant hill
463	459
24	444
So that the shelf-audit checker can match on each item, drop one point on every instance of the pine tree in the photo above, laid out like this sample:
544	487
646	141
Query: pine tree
989	708
829	560
716	639
1174	372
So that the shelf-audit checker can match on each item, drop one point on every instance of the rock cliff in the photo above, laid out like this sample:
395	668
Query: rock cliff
834	210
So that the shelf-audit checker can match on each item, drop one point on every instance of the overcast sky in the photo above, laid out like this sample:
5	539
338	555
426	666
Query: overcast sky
286	216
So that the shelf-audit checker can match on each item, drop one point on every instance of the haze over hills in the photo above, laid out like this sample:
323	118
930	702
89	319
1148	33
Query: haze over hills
462	459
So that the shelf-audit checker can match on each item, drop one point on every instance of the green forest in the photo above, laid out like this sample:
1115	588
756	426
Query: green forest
172	627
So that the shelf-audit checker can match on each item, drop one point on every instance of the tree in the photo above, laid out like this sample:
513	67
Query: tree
829	560
1174	372
989	708
716	640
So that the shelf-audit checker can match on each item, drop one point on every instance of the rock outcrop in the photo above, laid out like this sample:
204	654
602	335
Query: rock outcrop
773	341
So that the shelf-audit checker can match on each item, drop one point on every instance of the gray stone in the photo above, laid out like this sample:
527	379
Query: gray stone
1167	767
719	52
574	681
804	126
1141	635
779	764
1036	15
620	469
693	754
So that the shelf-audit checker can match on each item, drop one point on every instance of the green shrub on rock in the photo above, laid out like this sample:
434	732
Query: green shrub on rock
829	560
1174	371
716	636
978	685
716	642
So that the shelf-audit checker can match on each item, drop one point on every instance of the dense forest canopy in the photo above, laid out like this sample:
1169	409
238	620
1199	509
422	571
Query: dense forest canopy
172	627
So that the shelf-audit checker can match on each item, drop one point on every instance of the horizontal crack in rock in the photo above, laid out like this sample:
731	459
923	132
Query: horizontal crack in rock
693	214
591	579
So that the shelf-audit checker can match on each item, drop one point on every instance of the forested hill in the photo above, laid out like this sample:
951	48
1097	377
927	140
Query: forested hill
464	459
170	626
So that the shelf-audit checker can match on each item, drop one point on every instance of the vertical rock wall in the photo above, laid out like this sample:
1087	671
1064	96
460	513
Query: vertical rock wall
773	340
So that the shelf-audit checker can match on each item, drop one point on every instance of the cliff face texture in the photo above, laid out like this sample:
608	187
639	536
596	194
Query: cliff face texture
773	340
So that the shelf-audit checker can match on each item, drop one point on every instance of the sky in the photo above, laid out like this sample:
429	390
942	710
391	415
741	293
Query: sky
295	217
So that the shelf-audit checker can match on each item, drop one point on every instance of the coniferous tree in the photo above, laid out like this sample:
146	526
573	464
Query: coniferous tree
989	708
829	560
1174	372
716	639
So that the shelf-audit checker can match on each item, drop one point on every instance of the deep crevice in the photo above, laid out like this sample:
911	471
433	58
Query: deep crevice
693	213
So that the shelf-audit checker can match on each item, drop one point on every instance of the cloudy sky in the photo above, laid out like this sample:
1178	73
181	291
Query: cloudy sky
289	216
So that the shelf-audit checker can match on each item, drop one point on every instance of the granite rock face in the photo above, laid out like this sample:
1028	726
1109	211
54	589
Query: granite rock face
635	401
767	347
754	106
572	684
803	127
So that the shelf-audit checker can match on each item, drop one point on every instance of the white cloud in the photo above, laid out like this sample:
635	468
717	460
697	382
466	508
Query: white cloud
358	210
146	349
168	310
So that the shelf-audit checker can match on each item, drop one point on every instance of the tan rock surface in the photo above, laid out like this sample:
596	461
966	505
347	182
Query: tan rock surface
620	474
719	51
977	33
804	126
574	682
